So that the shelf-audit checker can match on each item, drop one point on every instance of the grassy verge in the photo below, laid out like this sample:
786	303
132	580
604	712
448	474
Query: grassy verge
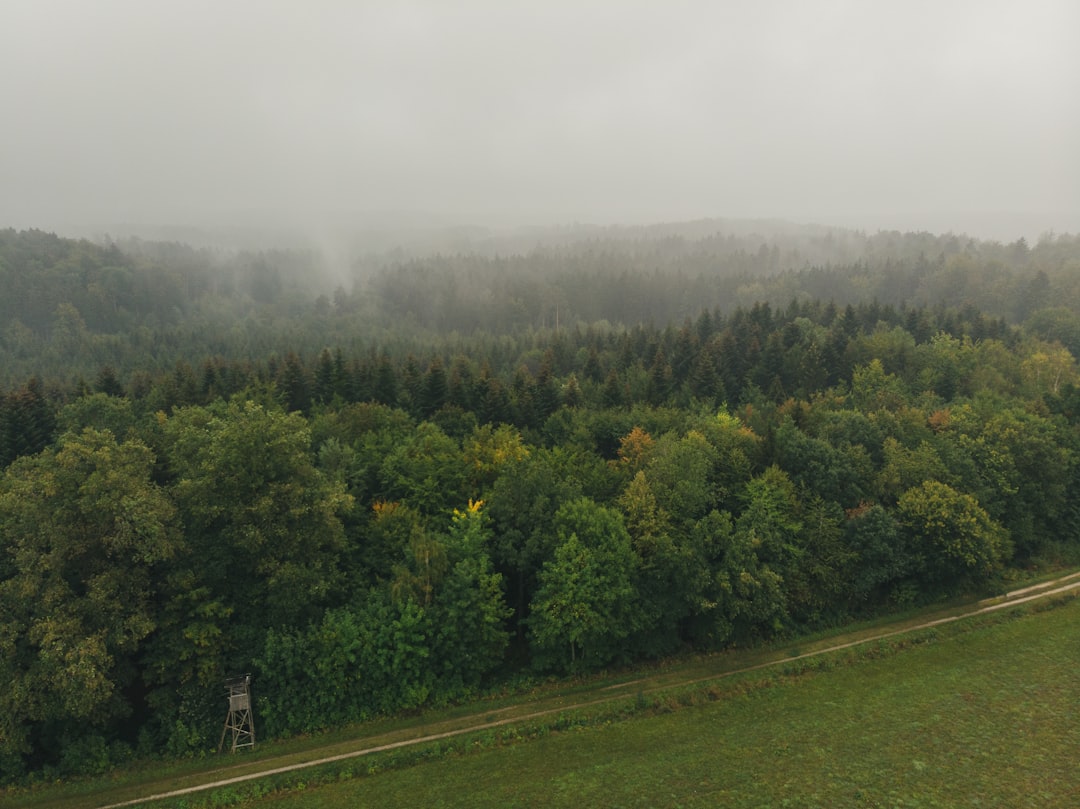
976	715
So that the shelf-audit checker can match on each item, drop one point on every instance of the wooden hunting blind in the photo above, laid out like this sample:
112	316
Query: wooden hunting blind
239	721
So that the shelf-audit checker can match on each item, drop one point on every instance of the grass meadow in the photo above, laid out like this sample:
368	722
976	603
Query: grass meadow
976	715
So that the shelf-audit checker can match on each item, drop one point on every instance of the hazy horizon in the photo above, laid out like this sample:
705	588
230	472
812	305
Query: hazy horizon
944	116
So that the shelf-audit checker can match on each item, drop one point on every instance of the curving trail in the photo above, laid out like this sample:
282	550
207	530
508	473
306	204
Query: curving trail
558	704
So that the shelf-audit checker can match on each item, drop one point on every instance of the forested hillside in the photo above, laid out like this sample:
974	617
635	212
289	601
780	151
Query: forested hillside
71	308
394	483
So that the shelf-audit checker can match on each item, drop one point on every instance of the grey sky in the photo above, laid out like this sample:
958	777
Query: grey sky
224	112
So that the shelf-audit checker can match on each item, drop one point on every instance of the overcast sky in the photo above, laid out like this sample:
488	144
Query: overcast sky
209	113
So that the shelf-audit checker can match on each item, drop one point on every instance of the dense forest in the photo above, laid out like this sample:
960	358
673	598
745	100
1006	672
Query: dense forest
400	480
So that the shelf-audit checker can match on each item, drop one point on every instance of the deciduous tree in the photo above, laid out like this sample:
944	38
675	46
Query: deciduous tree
85	534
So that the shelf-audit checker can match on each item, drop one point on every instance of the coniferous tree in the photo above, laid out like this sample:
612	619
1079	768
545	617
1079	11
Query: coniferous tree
461	384
703	382
545	395
210	387
27	421
592	370
434	389
385	384
107	382
613	394
494	407
660	379
293	386
327	377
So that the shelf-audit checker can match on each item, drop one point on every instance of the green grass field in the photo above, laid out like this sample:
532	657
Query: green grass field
983	716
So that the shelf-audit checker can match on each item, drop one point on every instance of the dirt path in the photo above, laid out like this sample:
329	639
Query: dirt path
546	706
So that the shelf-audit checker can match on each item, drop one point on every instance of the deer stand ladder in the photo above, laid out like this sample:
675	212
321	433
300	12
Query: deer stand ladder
239	720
